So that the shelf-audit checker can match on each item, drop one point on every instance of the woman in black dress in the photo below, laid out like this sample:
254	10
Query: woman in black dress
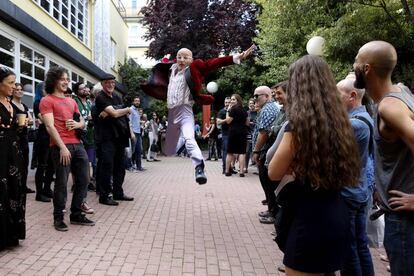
22	132
319	151
237	119
12	193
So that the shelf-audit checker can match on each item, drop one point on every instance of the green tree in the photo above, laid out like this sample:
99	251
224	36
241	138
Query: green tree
131	76
286	26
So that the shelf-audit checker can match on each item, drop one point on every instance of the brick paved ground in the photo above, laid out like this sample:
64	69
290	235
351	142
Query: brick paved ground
174	227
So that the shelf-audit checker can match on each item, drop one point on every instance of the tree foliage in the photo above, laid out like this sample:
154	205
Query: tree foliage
131	76
286	26
207	27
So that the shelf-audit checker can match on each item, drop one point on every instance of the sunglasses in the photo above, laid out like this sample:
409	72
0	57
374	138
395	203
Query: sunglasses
257	95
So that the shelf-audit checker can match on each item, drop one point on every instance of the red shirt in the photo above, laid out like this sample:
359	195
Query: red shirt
62	109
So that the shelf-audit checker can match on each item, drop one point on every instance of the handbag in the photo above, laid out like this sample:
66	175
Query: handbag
154	147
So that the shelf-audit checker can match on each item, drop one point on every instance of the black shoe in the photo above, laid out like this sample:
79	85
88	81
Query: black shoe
228	174
42	198
264	202
241	175
28	191
108	201
267	220
141	169
48	193
123	198
60	225
91	187
233	171
199	174
81	220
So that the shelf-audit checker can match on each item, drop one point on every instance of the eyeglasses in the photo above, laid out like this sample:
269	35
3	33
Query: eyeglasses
257	95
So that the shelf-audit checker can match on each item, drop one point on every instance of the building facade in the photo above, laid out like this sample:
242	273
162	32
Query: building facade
87	37
137	46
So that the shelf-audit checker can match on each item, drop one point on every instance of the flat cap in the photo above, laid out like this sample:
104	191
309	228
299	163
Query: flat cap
107	76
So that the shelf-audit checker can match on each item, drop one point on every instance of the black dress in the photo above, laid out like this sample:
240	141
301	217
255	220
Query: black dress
12	194
237	142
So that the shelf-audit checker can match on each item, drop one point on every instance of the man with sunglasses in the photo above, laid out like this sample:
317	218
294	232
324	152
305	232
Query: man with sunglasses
264	121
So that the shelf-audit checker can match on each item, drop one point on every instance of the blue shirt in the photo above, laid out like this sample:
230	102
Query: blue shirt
362	192
135	120
265	119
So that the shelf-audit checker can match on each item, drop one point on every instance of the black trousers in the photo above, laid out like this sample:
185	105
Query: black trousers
269	188
111	169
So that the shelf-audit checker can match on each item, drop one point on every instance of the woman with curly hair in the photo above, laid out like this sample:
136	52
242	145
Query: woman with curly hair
319	155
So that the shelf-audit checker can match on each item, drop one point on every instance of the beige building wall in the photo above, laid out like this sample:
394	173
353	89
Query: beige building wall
52	25
119	35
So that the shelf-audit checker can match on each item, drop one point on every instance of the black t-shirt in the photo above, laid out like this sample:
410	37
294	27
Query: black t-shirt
224	126
106	128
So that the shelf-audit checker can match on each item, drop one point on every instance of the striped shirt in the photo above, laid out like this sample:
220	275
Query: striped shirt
178	90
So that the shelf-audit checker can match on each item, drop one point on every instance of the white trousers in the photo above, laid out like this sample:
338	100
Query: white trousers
180	131
151	154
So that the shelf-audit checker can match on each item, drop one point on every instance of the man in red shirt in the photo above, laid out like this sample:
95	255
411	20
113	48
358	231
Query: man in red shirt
61	118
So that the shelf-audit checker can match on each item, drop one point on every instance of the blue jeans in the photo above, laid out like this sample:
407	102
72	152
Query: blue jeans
225	141
358	261
399	242
137	154
79	166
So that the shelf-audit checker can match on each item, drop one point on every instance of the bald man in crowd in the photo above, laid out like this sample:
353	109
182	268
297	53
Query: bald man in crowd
359	260
394	151
261	143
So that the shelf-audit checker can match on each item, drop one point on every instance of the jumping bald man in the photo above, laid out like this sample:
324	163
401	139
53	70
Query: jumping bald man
180	100
394	151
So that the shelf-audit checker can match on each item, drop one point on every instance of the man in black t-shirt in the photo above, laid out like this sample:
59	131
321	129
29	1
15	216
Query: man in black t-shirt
112	134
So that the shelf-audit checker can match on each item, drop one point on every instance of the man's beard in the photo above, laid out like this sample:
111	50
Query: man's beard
136	105
360	82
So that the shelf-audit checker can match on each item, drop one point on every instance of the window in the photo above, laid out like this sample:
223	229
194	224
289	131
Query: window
29	64
7	52
113	54
134	4
71	14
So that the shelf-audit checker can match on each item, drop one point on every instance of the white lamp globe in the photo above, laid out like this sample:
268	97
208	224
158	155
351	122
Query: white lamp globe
315	46
212	87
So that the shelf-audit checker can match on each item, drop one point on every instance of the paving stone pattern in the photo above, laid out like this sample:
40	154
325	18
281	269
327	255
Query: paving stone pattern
174	227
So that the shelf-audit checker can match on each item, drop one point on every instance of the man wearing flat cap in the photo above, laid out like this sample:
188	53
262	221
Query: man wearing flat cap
112	135
180	84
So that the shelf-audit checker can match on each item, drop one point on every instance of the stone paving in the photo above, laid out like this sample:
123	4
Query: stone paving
174	227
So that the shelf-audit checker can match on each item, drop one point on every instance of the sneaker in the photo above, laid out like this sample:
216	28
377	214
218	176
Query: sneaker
86	209
264	214
199	174
60	225
81	220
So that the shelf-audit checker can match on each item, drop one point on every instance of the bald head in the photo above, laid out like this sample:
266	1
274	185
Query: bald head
184	58
263	90
380	55
261	95
185	51
347	86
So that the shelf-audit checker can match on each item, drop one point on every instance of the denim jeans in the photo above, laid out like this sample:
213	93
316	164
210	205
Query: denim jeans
358	261
79	166
111	169
399	242
136	156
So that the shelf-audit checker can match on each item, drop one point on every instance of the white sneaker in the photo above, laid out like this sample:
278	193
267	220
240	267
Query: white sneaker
86	209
